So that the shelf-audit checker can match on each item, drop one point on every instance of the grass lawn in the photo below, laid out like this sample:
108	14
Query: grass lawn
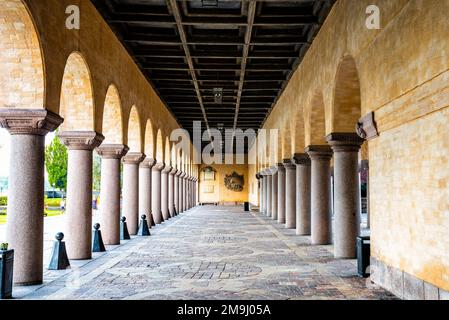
54	202
50	213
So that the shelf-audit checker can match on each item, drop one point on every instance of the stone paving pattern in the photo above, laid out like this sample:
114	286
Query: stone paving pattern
211	253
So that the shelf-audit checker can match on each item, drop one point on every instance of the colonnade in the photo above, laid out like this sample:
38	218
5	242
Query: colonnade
297	193
150	187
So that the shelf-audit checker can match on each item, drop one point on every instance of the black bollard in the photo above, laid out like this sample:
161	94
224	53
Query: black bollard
98	245
175	212
152	220
59	259
124	234
143	227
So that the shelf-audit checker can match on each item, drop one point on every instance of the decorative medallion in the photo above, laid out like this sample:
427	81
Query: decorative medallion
234	182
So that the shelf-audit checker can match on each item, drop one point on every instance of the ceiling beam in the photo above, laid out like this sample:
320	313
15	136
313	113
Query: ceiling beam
252	5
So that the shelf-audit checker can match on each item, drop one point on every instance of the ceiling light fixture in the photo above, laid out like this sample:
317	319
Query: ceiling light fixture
209	3
218	95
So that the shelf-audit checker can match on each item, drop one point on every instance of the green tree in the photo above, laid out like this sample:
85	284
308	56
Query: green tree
56	164
96	173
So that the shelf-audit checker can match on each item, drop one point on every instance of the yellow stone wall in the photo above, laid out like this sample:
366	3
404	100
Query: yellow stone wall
403	74
221	193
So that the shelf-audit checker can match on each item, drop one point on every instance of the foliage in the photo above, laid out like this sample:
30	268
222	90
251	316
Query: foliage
3	201
56	158
96	173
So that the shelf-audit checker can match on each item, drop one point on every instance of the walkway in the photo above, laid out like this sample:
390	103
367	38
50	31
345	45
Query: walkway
210	253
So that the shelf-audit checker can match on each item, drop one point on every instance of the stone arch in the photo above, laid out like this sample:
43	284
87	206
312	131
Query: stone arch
298	134
286	140
180	159
112	127
77	105
149	140
167	153
316	121
159	146
22	84
134	131
174	155
346	109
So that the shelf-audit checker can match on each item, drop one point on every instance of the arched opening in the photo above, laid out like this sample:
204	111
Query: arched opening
112	117
174	156
22	84
317	124
77	102
167	158
149	140
346	113
159	147
347	102
134	135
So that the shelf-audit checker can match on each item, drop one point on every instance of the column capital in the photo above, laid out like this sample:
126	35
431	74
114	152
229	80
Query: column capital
29	121
258	176
267	172
288	164
81	140
158	166
280	167
147	163
178	173
112	151
183	174
273	170
319	152
133	158
301	159
167	169
173	171
344	142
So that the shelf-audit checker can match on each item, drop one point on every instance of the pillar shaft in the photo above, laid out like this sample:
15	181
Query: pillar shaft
274	193
171	192
80	145
181	191
111	155
156	192
25	221
269	193
281	193
145	198
347	202
177	189
131	190
321	221
303	168
265	192
261	192
290	194
164	192
184	193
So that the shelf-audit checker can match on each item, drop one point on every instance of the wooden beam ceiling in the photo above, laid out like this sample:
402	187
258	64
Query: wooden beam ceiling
248	48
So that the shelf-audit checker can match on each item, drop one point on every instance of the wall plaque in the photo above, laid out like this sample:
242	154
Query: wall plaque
234	182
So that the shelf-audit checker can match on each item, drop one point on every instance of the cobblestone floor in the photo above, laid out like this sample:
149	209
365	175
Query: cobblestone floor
210	253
